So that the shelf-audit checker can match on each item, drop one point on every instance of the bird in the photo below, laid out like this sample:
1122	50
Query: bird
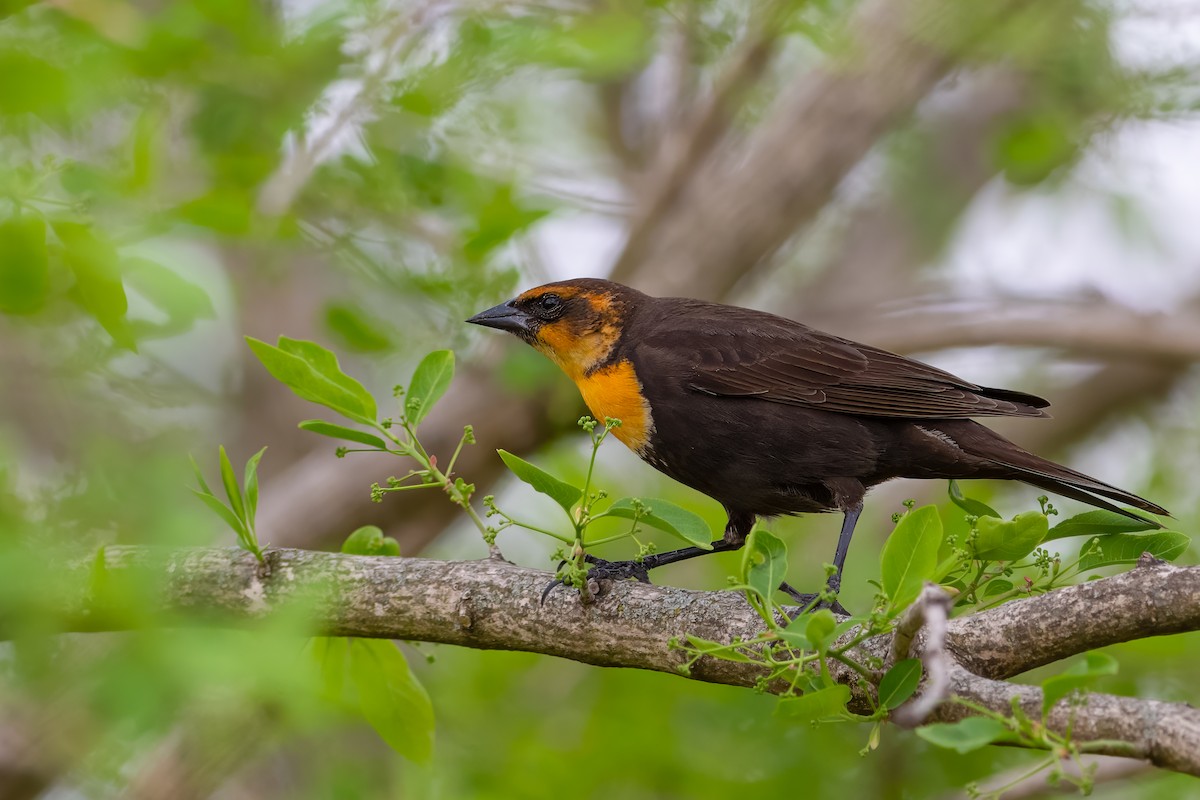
771	417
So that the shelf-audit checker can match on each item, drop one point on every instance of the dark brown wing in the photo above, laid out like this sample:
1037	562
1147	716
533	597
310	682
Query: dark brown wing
735	352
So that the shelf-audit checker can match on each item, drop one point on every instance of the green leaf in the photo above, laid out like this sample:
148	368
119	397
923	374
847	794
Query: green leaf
970	505
722	651
1030	146
232	490
764	564
965	735
179	298
822	704
899	683
199	476
251	485
1127	548
332	654
1009	540
391	699
561	492
1080	675
28	84
997	586
794	633
222	511
667	517
311	384
356	329
326	363
910	554
1099	522
98	286
24	269
820	628
429	382
370	541
333	431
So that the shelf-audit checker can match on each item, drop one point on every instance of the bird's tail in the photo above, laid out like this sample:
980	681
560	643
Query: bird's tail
1007	461
1065	481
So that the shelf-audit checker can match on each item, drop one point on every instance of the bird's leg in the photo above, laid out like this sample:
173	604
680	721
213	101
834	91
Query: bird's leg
736	531
834	584
849	520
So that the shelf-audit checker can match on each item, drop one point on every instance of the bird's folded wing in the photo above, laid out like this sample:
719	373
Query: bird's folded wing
785	362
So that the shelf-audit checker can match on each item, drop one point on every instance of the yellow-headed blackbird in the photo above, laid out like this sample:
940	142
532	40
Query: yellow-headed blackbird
769	416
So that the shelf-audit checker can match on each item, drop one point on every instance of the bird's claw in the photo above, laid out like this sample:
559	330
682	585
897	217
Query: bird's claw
603	571
617	570
806	600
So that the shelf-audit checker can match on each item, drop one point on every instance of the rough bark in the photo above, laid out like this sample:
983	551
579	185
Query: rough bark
493	604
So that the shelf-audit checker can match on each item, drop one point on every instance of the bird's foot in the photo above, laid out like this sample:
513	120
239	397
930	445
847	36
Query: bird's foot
603	571
814	601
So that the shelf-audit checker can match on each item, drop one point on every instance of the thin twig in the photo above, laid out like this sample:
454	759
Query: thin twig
931	612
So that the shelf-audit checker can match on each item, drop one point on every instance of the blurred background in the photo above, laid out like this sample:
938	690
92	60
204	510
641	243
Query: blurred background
1009	190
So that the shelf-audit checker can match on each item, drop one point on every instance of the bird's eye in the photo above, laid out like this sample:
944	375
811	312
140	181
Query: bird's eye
550	303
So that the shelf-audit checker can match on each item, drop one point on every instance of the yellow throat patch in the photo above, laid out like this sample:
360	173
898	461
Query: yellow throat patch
615	391
612	390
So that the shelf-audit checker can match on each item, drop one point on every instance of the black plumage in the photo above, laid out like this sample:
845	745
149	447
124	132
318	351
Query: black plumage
769	416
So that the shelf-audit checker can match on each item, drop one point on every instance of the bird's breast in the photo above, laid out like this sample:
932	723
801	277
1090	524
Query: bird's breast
615	391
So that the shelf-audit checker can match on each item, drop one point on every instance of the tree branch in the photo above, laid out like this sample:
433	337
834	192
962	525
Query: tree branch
1108	331
741	204
495	605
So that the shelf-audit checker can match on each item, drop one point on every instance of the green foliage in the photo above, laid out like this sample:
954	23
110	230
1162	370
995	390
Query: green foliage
1097	522
910	556
899	683
372	678
1001	540
965	735
560	492
582	512
970	505
312	372
391	699
333	431
764	565
243	500
982	567
98	287
1127	548
429	382
664	516
819	706
24	270
370	541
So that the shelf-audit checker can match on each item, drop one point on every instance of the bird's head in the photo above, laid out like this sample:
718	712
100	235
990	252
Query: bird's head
574	323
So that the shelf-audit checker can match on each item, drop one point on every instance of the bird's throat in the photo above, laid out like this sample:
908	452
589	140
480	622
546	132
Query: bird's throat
615	391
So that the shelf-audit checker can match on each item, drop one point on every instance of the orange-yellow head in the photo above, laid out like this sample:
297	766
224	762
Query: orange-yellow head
577	325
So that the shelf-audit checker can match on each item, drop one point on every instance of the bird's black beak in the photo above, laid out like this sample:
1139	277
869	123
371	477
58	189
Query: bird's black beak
504	317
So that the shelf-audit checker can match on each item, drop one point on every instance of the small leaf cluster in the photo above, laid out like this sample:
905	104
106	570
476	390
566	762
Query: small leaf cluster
796	652
313	373
579	505
999	559
1017	727
979	570
370	678
243	500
